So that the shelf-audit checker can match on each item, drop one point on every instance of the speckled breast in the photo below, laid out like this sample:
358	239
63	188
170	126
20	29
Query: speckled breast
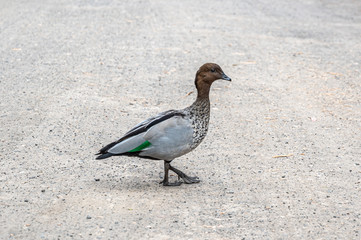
199	117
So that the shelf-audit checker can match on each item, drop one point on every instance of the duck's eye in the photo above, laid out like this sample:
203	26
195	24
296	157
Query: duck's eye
212	70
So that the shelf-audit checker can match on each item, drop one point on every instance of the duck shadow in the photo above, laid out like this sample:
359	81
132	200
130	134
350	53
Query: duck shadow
132	184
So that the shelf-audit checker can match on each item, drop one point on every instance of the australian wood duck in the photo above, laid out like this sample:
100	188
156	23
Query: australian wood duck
173	133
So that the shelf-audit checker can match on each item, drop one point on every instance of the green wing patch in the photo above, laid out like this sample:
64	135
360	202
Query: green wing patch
141	147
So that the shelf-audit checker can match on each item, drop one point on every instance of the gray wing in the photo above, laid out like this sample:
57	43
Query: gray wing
134	137
146	124
169	139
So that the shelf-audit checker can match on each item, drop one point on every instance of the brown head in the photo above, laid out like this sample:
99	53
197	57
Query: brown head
206	75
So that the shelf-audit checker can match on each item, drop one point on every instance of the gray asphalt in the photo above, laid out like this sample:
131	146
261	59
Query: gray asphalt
283	153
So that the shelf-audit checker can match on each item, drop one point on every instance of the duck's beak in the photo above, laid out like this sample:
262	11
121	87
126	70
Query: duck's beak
225	77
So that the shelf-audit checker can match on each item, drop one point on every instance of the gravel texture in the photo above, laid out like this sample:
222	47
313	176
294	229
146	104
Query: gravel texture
282	159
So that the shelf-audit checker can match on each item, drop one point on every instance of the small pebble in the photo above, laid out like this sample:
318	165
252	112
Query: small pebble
88	217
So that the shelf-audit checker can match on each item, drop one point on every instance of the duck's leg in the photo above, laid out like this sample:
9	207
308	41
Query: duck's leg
186	179
165	181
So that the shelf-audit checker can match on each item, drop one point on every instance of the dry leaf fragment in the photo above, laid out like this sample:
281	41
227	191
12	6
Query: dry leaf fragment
188	93
281	156
248	62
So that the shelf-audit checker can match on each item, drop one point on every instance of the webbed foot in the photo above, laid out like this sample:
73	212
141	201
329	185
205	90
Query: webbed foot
171	184
190	180
186	179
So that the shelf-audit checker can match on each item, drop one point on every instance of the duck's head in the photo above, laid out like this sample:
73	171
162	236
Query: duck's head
207	74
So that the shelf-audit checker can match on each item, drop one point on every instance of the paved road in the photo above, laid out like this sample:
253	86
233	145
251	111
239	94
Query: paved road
282	157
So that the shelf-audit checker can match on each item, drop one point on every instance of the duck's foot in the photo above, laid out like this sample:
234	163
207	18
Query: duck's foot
173	184
165	181
190	180
187	179
182	175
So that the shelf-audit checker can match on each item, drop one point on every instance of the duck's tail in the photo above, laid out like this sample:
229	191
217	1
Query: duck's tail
103	156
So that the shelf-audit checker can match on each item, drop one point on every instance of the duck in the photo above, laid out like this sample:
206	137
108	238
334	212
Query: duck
172	133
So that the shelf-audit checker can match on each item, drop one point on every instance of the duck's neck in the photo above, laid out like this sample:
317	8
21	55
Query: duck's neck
202	103
203	91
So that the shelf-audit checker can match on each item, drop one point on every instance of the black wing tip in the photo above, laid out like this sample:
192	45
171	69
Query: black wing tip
136	154
103	156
